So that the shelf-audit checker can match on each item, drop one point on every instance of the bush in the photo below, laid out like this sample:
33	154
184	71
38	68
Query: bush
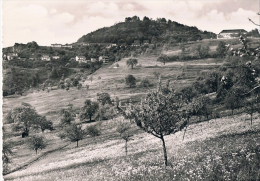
130	81
145	83
93	130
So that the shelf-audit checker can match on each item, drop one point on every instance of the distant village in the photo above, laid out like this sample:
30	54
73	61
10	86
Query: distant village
224	34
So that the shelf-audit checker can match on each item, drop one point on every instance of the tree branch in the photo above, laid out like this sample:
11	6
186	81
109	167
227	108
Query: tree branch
253	22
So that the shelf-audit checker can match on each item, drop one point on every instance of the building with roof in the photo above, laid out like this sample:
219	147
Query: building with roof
231	33
46	58
81	59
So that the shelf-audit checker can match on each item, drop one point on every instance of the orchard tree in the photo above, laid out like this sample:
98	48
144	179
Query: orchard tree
74	133
201	107
253	106
130	81
89	109
159	115
132	62
67	116
24	117
233	100
222	49
104	98
36	143
163	58
124	130
43	124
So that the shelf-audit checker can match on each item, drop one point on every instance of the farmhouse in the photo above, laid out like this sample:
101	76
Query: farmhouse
81	59
55	57
56	45
46	58
93	59
232	33
104	59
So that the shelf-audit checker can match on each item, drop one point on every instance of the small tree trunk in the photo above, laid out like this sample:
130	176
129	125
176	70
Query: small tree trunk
77	143
164	152
36	151
251	119
90	118
126	147
184	133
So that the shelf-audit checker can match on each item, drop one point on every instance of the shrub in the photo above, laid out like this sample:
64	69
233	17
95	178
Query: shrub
93	130
145	83
130	81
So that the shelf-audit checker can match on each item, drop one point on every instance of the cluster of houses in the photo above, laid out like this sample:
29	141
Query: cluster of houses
57	45
82	59
10	56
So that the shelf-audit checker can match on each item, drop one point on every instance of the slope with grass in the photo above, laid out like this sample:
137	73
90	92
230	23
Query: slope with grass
207	145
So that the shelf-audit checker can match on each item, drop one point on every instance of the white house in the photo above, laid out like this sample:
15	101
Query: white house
46	58
232	33
81	59
104	59
55	57
93	59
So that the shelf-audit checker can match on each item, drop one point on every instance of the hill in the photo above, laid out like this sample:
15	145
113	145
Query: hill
134	30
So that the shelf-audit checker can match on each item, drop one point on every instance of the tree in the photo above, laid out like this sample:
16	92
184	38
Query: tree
159	115
163	58
124	130
44	124
74	133
233	100
67	116
130	81
201	107
132	62
88	110
6	155
202	51
104	98
36	143
93	130
24	117
252	107
222	49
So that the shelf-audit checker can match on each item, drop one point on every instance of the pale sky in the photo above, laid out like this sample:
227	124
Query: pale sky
65	21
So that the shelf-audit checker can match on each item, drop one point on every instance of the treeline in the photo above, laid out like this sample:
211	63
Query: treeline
155	31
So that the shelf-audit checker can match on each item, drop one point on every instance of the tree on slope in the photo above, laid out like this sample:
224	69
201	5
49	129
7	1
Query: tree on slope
159	115
124	130
24	117
132	62
89	110
36	143
74	133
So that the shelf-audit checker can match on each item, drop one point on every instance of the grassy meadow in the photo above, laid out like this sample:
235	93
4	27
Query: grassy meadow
225	148
213	148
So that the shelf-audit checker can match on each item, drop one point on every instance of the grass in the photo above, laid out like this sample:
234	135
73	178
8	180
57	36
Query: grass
207	146
102	157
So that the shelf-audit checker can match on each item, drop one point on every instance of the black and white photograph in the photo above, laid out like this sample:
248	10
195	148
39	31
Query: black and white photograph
130	90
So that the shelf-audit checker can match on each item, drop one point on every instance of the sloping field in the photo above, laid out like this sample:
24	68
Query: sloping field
102	158
112	80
